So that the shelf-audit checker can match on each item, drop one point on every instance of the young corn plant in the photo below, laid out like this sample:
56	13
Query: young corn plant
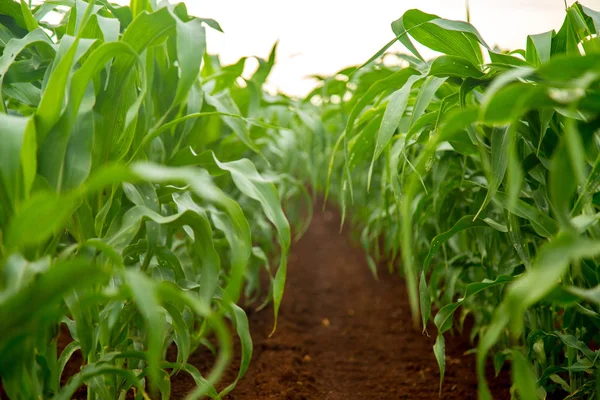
131	213
480	167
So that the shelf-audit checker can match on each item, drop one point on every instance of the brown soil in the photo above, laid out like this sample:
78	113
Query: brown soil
343	335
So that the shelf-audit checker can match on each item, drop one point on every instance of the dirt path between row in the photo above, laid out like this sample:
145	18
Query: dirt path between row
342	335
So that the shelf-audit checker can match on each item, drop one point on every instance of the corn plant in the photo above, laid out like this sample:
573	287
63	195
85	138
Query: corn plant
480	168
130	210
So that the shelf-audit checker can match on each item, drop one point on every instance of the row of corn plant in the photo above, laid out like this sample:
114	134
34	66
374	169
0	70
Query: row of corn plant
477	173
132	209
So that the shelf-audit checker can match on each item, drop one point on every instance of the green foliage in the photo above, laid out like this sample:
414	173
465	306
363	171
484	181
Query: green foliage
480	169
131	212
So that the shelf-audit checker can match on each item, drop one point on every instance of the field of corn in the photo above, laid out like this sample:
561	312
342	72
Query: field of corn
146	189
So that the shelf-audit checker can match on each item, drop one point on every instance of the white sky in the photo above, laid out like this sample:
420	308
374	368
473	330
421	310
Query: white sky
324	36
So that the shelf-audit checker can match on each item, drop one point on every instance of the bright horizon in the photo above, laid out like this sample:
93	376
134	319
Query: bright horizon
323	36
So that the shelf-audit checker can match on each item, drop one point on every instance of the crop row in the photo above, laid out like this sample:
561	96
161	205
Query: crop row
477	173
131	219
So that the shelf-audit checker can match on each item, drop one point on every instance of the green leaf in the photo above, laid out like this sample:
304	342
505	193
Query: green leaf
64	358
17	158
250	183
562	186
225	104
453	66
191	44
425	301
44	294
242	328
12	9
14	47
391	120
466	222
439	350
38	218
542	223
523	376
456	38
401	35
539	48
146	301
30	22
